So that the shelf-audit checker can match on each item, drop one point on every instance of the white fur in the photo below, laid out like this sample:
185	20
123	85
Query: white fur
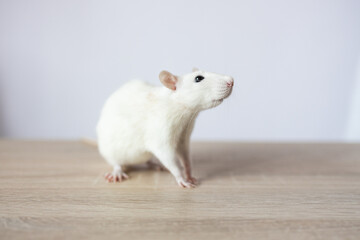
139	121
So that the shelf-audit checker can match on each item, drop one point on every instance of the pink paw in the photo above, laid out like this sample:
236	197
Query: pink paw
192	180
185	183
116	177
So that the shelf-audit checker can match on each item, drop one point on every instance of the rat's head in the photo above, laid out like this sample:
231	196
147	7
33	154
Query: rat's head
199	89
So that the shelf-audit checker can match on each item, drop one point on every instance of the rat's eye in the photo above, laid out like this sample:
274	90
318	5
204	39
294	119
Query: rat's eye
199	78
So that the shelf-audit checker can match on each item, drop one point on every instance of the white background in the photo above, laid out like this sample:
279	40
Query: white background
296	64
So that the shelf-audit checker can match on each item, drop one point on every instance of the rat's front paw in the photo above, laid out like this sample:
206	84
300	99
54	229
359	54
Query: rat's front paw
185	183
116	177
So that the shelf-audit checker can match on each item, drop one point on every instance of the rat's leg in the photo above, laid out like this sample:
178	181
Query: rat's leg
168	158
117	175
184	156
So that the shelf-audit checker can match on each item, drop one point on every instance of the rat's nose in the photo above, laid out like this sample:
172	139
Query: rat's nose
230	83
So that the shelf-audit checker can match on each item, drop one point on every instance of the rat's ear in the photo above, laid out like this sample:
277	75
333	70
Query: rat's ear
195	69
168	80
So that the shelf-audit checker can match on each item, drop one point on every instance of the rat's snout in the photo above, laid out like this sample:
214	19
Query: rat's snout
230	82
225	91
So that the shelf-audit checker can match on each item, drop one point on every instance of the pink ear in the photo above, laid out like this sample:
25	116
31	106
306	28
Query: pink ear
168	80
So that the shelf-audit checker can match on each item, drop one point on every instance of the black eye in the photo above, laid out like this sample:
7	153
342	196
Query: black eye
199	78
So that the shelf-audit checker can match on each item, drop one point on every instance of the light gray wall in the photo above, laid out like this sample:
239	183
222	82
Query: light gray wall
294	63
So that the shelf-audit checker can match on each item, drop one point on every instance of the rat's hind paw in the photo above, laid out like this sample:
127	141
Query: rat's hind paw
185	184
193	180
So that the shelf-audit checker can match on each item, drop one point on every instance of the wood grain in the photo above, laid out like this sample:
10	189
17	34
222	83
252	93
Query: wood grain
56	190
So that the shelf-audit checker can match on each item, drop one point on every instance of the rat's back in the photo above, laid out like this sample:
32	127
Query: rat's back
120	129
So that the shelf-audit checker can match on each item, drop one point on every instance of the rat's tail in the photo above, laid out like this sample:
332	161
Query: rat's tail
90	142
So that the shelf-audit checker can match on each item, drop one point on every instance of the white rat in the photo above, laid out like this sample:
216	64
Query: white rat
140	121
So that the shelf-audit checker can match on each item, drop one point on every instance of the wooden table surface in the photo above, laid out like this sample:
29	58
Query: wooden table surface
56	190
